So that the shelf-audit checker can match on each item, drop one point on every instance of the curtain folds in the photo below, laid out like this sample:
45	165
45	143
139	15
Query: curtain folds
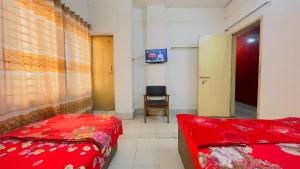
44	59
78	67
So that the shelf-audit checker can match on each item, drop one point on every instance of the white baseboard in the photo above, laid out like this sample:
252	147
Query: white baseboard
172	111
128	116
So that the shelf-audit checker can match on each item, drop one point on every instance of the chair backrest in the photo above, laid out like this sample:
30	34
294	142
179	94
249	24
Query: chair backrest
156	90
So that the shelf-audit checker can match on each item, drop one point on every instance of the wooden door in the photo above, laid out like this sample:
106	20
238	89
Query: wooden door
214	76
103	73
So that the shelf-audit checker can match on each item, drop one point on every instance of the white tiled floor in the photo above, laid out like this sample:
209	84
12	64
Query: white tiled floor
148	146
244	111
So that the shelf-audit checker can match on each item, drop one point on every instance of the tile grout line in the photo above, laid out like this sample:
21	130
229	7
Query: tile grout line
134	158
157	134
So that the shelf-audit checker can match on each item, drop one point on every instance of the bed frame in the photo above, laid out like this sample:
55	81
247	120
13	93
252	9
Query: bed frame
110	157
184	151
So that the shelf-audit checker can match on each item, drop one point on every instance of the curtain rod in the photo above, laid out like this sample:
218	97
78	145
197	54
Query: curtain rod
228	3
137	58
258	8
184	47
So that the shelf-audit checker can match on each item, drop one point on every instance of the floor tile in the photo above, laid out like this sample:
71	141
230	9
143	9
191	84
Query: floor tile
120	166
146	167
126	152
171	166
148	128
151	145
127	135
146	151
146	135
168	151
164	135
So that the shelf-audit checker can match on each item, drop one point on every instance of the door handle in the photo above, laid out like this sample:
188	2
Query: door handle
111	69
204	77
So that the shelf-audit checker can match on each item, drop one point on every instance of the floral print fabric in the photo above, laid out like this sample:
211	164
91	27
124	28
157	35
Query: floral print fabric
228	132
58	143
268	156
15	154
237	143
72	128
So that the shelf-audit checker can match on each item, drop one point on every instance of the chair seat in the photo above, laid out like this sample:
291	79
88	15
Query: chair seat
157	103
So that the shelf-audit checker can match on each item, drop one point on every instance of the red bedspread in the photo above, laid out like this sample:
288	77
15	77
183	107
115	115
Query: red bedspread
236	143
64	141
221	132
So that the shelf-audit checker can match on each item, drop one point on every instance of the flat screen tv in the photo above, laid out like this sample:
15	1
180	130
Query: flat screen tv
156	56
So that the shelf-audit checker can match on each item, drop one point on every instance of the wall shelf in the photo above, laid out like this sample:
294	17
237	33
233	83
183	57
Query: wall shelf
137	58
184	47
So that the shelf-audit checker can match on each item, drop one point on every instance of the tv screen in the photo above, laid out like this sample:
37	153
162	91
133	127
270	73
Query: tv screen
156	56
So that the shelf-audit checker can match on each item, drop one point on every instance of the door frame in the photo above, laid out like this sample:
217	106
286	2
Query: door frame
92	66
234	34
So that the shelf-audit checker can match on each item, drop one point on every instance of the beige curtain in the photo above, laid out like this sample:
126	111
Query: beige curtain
2	89
40	50
60	42
77	52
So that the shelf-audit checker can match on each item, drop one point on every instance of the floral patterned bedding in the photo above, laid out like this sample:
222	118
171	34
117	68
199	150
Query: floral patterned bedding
259	156
237	143
64	141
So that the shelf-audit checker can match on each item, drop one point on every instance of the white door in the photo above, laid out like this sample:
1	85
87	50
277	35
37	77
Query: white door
214	76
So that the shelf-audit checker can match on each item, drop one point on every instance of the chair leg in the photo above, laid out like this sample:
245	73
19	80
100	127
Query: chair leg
168	114
145	114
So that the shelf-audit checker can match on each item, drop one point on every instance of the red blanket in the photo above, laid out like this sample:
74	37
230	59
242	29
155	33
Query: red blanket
21	154
64	141
214	143
224	132
71	128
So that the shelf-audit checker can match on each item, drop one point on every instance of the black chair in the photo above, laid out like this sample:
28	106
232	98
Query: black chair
156	91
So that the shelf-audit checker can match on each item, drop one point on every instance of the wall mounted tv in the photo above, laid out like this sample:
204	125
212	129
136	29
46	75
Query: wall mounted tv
156	55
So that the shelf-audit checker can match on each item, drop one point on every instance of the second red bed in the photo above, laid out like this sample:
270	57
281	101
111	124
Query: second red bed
206	143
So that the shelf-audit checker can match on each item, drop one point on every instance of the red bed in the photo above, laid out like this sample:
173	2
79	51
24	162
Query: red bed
64	141
234	143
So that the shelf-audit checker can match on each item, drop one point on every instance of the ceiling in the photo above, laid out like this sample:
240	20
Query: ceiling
181	3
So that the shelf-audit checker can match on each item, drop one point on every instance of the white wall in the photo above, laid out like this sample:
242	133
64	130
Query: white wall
183	26
139	65
280	61
280	64
114	17
78	6
156	27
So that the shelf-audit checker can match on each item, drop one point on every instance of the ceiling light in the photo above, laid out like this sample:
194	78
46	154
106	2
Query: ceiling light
251	40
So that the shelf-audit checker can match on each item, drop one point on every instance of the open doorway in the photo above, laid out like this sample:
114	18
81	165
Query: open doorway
246	71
